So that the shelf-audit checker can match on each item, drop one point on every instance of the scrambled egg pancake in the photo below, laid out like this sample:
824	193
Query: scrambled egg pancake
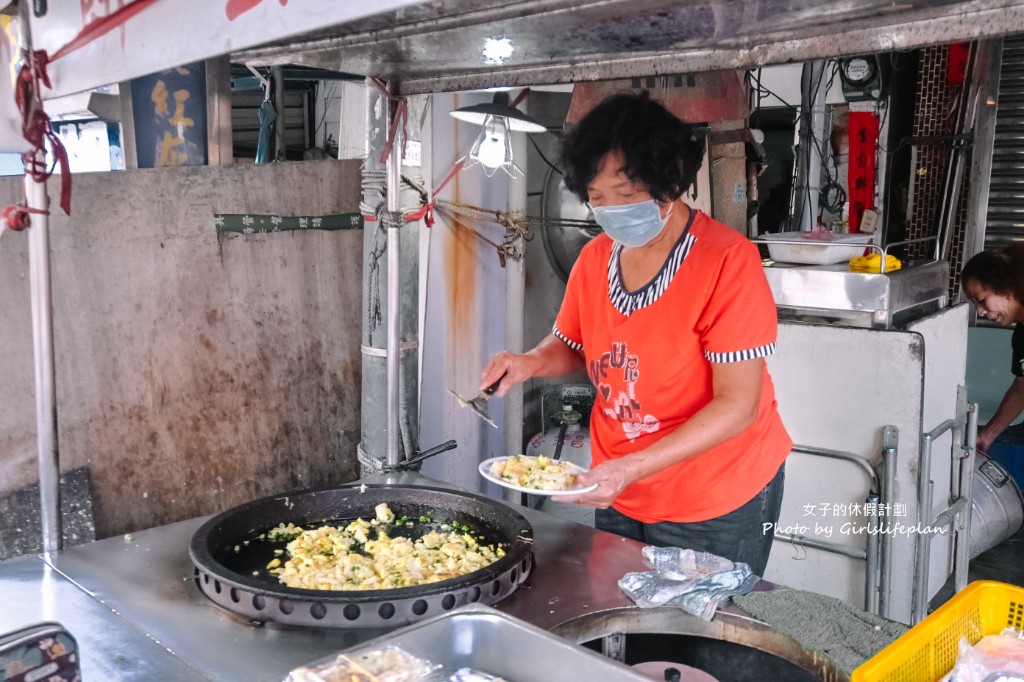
540	473
334	558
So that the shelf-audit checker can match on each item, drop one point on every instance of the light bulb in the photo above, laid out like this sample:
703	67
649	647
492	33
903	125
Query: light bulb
491	153
497	50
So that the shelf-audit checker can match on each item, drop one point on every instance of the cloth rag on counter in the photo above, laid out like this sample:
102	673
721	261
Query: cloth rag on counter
697	582
848	635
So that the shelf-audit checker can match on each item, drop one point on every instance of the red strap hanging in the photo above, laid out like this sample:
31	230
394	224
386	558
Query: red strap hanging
36	127
401	115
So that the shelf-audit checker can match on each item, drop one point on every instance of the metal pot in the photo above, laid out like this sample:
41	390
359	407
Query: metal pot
997	508
231	561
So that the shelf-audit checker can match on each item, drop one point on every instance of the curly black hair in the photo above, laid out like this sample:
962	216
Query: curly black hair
659	150
1001	270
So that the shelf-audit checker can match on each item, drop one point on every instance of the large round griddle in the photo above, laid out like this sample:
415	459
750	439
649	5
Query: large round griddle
231	561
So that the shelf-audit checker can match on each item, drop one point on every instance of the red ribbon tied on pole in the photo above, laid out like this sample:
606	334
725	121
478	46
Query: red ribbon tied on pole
36	127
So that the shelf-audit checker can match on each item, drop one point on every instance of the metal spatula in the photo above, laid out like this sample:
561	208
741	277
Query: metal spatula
479	403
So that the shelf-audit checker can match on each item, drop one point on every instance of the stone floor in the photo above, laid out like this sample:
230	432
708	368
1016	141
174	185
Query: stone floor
20	522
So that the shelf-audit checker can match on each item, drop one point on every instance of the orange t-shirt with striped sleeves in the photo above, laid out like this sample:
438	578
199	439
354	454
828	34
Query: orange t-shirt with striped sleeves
650	354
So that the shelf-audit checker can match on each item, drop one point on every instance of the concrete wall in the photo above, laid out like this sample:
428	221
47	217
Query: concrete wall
193	373
989	357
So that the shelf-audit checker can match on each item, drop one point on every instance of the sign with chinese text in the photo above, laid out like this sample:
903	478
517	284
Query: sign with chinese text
169	110
247	223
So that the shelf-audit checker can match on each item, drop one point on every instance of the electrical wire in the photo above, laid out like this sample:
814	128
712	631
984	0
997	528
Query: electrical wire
831	194
543	158
762	90
805	153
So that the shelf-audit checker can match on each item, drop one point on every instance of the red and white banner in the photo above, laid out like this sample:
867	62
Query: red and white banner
98	42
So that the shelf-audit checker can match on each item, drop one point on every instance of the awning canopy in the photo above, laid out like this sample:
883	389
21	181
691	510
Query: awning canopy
450	45
445	46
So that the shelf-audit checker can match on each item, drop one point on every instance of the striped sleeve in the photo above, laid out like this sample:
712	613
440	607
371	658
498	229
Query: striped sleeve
575	345
741	355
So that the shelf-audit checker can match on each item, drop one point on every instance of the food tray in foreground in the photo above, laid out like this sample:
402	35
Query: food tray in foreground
930	649
487	640
486	471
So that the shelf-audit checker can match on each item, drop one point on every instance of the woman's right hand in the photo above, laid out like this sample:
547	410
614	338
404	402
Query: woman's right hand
511	368
550	357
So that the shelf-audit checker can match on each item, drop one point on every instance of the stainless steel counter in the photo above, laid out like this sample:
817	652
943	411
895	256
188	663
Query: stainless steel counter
132	606
858	299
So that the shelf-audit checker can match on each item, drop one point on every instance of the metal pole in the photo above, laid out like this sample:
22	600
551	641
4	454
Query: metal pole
987	70
277	74
861	462
890	447
800	540
42	346
922	545
812	141
394	309
871	570
963	537
919	590
515	306
950	198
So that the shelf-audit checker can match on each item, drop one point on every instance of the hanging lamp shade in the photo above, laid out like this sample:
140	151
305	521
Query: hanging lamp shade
500	106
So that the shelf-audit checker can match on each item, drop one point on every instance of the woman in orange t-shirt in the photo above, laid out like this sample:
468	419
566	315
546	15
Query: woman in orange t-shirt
671	315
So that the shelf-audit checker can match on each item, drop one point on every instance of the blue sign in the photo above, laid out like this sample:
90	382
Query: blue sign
169	112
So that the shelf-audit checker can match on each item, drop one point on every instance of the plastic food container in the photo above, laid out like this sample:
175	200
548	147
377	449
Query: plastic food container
815	252
929	650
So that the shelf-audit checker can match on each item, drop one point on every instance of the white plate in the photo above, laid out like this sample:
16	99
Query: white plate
485	471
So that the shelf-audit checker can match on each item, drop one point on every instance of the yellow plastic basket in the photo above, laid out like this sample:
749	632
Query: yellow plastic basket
929	650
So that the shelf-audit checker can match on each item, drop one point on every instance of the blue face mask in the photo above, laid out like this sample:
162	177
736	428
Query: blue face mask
631	224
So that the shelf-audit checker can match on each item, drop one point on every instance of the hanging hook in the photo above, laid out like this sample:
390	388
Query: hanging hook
263	81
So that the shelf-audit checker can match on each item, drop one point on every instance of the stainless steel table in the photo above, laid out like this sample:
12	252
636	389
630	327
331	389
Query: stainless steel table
131	604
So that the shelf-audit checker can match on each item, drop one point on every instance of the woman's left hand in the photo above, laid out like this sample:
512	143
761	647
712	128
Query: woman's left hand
611	478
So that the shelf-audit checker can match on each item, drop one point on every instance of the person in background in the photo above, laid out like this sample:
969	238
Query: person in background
994	282
670	313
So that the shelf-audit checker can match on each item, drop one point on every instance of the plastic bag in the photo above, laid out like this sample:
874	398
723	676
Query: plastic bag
995	658
697	582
